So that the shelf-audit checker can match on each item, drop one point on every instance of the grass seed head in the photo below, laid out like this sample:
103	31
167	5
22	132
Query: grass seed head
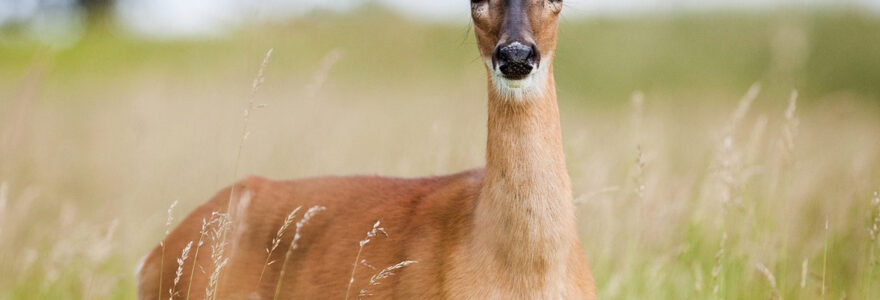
302	223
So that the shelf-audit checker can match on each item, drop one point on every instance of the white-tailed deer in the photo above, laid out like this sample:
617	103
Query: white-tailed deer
503	232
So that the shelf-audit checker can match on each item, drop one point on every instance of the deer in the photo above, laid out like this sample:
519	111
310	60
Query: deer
504	231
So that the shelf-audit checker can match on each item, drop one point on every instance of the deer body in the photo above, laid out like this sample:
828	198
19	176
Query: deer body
503	232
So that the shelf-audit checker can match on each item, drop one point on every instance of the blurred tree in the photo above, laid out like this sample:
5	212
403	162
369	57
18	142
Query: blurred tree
96	11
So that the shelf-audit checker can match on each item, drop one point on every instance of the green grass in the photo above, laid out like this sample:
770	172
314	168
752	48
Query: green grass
600	60
117	128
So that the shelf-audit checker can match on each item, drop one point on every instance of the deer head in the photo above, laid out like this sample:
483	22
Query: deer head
517	41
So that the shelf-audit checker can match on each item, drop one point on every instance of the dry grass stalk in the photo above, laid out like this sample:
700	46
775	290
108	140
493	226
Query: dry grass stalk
297	234
638	99
170	218
874	229
211	290
790	127
323	72
770	279
727	159
370	235
302	222
786	146
728	177
168	222
4	197
203	233
4	201
587	197
698	277
255	85
718	267
180	261
376	279
874	234
638	104
640	174
825	257
218	225
372	267
804	270
639	180
277	240
745	103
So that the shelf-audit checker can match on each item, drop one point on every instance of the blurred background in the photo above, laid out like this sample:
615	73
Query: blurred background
718	149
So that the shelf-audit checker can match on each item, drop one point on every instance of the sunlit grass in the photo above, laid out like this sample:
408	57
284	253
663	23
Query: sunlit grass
686	195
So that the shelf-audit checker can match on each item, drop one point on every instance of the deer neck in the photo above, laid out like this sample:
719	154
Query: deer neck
524	214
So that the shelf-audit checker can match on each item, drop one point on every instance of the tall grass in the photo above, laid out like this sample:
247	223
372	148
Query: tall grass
696	198
293	246
373	233
276	241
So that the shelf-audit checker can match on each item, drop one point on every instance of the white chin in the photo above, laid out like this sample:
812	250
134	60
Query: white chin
530	87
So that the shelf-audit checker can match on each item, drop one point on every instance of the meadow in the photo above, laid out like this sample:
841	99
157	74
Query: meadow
712	156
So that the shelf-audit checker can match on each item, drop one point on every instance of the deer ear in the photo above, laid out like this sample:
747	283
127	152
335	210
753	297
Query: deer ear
479	9
555	5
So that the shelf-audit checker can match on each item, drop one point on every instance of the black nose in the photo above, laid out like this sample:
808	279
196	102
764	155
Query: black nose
516	60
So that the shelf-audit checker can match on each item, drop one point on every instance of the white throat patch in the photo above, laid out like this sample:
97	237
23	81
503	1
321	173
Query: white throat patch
532	86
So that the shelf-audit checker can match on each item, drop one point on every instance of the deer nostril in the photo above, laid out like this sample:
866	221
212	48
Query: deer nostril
515	53
516	60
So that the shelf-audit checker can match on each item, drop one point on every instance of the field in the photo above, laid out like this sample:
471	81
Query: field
698	172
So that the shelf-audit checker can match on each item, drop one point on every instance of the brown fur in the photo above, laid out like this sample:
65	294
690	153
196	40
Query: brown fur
503	232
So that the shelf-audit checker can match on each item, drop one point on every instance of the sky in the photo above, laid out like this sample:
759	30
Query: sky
211	16
193	18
